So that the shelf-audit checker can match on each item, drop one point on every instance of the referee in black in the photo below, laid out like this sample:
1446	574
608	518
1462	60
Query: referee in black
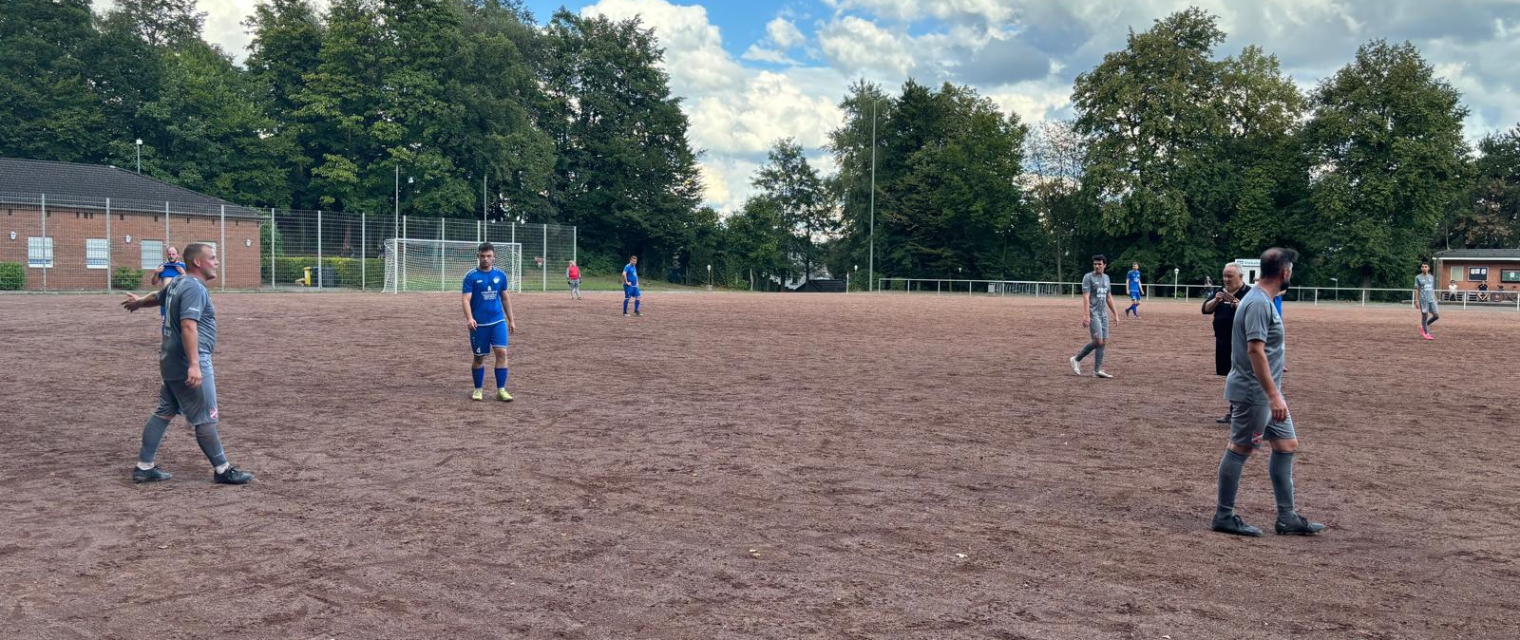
1222	306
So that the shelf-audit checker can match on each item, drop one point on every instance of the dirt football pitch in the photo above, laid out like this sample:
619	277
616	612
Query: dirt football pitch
751	466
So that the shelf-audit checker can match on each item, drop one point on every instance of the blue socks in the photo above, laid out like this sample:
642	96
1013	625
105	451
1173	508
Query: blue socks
501	377
625	306
480	376
636	302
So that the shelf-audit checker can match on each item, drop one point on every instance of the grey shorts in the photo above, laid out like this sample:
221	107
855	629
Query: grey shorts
1429	306
1098	325
197	405
1252	423
575	285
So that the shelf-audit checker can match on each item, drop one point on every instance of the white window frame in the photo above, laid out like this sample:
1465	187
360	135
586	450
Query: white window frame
143	251
45	261
97	253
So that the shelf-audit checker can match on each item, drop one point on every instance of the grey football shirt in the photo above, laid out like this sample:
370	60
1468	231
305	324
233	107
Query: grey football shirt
1427	286
1256	320
1096	287
188	300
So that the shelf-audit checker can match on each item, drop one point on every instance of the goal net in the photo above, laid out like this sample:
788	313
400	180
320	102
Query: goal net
440	265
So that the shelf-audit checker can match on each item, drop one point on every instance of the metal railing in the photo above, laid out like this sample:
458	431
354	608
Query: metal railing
62	243
1159	291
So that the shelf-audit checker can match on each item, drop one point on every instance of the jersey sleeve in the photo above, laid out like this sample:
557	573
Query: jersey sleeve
1087	283
1256	320
466	287
190	301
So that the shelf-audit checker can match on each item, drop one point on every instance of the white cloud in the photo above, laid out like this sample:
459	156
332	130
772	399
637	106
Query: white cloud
694	54
785	34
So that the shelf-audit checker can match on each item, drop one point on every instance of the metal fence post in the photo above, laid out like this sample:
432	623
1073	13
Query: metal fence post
110	286
575	243
1364	297
441	273
319	249
47	253
545	263
274	281
222	246
402	257
363	251
166	226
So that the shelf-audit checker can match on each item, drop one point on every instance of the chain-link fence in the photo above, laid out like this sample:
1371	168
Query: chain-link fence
57	243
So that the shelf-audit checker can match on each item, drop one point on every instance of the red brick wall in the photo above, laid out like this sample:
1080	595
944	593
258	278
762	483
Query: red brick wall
69	228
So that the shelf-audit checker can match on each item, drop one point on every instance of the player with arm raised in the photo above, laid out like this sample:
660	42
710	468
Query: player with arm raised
184	362
485	293
1097	305
166	273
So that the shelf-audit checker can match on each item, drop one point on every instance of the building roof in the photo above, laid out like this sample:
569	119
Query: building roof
1505	255
70	184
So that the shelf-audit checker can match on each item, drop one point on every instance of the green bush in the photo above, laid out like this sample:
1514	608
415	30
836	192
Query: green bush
126	278
12	276
349	271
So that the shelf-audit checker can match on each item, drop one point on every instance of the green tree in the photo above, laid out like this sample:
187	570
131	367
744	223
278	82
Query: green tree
48	107
160	23
1490	217
624	171
1386	141
1055	153
754	245
807	208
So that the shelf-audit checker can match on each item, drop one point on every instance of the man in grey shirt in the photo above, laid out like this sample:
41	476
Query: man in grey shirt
1257	407
184	362
1425	300
1096	305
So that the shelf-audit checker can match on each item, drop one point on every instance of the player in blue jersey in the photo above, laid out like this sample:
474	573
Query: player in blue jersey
631	286
1135	290
485	294
168	271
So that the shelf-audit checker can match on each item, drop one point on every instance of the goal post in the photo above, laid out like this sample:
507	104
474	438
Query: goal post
413	264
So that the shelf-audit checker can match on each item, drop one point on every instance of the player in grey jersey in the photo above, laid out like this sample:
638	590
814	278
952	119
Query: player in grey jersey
1098	304
1257	407
184	362
1425	300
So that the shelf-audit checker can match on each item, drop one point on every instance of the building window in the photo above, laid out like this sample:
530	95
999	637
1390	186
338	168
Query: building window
97	253
1456	273
1477	274
39	252
152	253
1509	276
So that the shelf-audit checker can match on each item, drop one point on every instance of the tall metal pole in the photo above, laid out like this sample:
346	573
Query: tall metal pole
482	230
274	278
166	227
546	256
109	285
222	247
874	102
396	225
319	249
47	253
363	251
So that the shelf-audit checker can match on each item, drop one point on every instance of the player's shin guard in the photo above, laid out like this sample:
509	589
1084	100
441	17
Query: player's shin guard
501	377
480	376
211	444
1086	350
1230	468
1098	354
153	434
1280	468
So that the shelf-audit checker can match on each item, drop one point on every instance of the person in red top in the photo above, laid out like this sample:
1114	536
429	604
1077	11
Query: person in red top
573	276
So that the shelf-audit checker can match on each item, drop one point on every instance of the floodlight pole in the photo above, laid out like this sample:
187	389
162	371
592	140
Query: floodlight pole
874	102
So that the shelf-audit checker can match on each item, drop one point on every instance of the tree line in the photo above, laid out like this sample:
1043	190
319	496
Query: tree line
1176	157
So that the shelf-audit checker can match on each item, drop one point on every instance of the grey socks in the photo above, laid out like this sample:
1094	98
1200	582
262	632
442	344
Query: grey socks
211	444
1230	468
153	434
1098	359
1281	469
1089	348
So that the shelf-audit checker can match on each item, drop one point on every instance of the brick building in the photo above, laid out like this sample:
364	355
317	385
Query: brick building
72	226
1471	269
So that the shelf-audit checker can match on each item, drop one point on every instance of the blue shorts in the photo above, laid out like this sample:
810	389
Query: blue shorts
631	291
1134	295
484	337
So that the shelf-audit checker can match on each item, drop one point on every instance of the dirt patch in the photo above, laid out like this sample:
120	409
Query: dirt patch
738	466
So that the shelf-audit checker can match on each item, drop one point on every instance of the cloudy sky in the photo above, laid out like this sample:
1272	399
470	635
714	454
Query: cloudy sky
753	71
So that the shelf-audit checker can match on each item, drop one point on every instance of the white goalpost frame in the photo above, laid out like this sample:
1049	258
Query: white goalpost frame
453	259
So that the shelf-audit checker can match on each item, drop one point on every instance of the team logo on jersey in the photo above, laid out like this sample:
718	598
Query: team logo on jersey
495	280
213	413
